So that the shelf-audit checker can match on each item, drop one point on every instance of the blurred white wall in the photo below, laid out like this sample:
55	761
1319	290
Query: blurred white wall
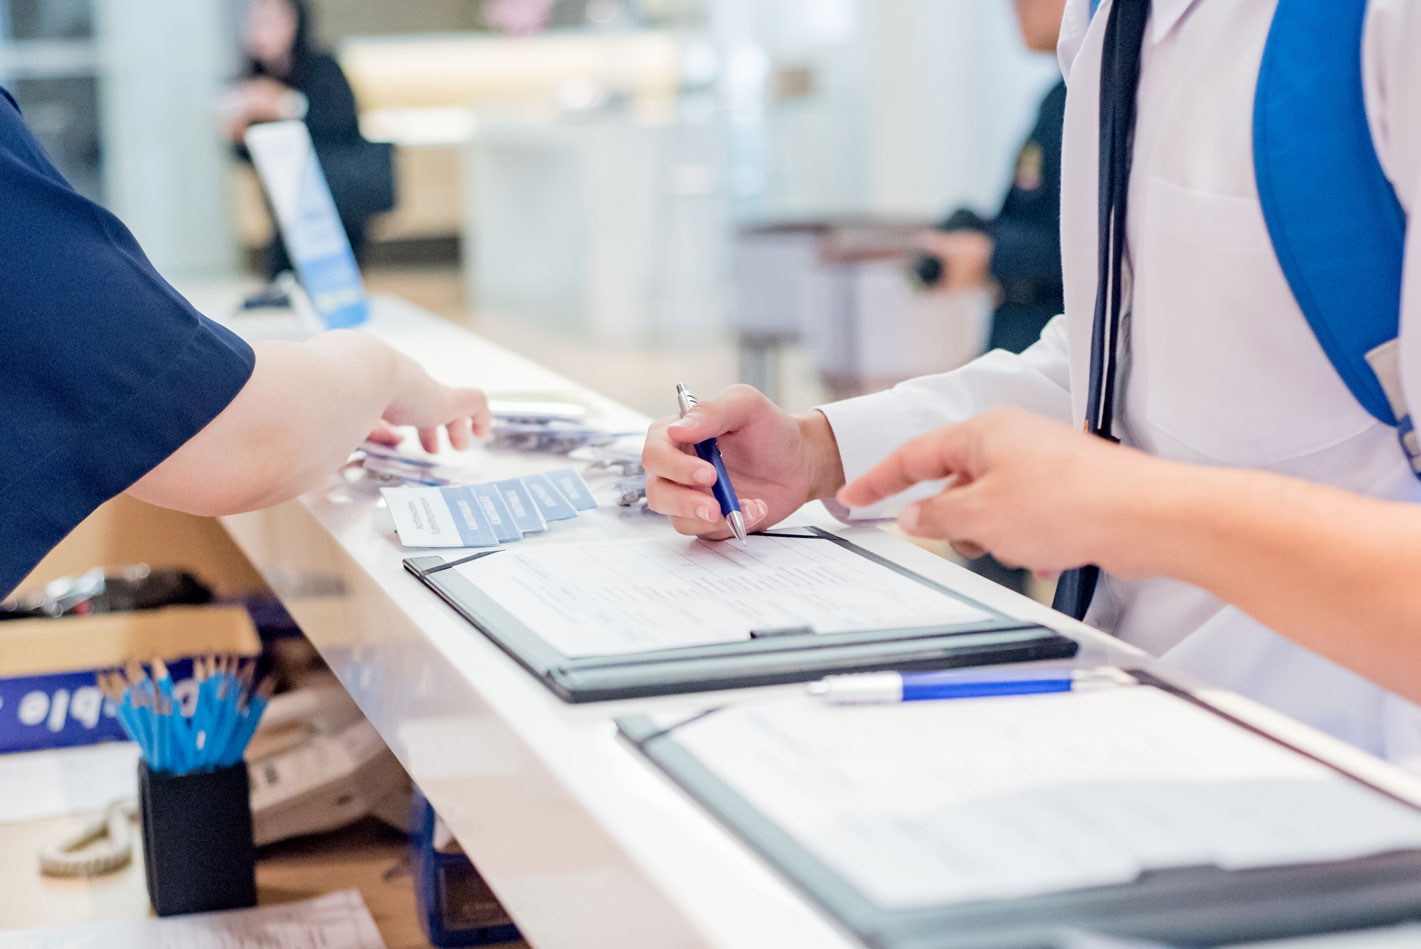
162	66
953	93
891	108
913	106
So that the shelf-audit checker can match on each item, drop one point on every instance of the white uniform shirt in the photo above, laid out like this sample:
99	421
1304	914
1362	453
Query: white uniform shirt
1222	367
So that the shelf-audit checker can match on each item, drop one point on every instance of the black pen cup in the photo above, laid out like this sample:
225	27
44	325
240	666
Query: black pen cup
197	840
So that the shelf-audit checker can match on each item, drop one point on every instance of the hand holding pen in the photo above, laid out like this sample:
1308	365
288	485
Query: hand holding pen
709	452
774	460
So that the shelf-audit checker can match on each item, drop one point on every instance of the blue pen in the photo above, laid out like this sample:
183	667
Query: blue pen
212	711
209	711
175	726
255	704
144	700
201	713
723	491
880	687
118	692
226	719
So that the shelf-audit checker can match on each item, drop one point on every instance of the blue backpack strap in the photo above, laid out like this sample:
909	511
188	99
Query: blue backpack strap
1336	225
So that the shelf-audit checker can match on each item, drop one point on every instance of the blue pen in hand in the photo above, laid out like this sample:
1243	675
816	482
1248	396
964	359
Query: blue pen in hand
722	489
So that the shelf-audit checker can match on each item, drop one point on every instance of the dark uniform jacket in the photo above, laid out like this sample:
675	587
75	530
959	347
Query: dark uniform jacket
105	370
359	173
1026	234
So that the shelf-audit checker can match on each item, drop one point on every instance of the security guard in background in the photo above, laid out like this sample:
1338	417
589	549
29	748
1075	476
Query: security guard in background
1020	249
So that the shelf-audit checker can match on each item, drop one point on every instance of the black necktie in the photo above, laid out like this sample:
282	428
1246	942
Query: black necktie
1119	80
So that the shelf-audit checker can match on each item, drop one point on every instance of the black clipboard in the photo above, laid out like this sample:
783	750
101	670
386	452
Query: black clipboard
768	658
1186	906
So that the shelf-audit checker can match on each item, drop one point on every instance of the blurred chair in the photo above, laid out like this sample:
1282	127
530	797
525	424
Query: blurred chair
779	281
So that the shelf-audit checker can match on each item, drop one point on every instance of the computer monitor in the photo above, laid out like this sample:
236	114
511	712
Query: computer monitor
286	163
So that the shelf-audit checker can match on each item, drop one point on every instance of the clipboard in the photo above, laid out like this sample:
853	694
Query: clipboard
1195	906
768	657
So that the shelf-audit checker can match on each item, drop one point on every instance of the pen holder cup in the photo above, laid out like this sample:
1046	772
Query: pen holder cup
197	840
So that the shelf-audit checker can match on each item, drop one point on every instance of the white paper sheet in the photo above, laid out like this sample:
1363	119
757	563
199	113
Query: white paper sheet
35	784
926	803
610	597
1389	937
338	919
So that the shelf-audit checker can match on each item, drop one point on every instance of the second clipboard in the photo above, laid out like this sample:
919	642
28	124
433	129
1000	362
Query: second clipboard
990	636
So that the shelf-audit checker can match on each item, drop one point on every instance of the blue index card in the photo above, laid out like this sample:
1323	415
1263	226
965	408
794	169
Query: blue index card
500	518
571	486
469	517
550	502
526	515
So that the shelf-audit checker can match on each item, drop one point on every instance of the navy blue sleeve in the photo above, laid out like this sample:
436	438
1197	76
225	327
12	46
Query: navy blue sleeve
1026	235
105	370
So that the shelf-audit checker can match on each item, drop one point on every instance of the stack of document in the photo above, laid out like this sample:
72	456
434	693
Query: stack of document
39	784
486	515
616	618
546	425
338	919
616	597
396	467
926	804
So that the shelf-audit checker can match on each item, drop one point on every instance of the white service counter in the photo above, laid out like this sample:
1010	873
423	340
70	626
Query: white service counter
585	843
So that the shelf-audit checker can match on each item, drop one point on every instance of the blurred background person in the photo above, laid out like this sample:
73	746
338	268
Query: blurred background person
288	77
1017	254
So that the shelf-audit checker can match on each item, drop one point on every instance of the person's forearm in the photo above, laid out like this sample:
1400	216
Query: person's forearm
1334	572
826	467
295	421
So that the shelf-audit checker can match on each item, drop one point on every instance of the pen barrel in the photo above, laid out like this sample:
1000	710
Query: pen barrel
920	691
709	451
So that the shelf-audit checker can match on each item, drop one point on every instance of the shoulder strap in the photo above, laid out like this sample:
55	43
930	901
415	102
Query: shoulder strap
1335	222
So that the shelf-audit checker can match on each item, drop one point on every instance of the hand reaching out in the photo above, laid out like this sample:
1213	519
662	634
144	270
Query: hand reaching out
1032	492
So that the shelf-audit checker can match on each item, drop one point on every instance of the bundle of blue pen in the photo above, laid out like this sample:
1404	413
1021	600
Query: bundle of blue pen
211	730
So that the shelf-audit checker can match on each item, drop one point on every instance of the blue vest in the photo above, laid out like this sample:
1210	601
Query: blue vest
1336	225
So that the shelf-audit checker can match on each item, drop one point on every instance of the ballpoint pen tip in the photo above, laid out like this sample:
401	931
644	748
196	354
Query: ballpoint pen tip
736	520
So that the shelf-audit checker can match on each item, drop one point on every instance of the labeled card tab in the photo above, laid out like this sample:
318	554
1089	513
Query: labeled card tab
571	486
551	503
521	505
497	513
469	518
422	517
486	515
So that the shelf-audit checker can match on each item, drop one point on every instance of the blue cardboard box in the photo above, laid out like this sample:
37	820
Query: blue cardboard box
456	907
49	697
